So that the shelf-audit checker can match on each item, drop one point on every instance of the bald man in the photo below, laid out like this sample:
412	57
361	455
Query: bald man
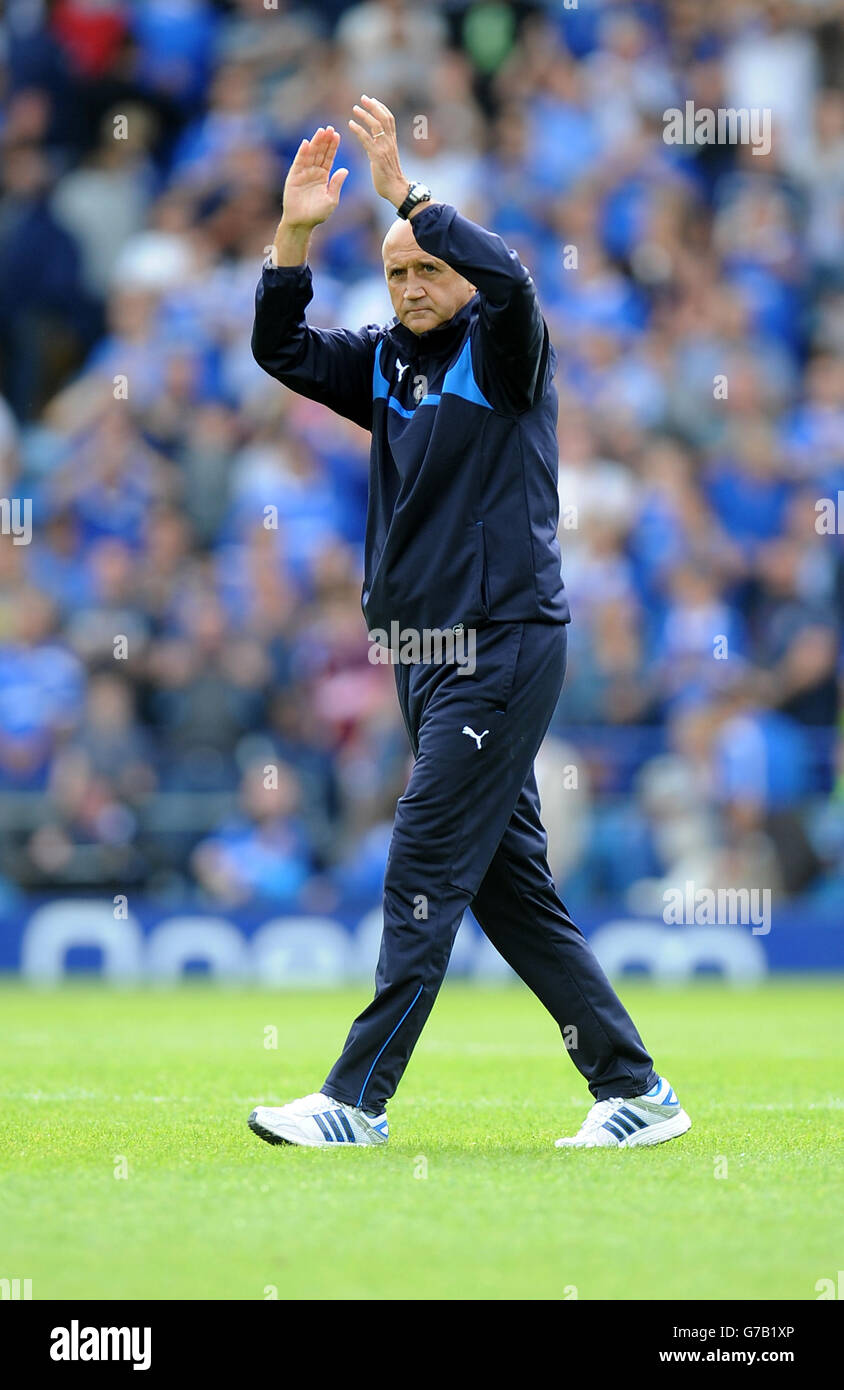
461	548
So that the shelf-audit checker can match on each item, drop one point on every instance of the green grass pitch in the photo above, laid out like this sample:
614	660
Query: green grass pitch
469	1200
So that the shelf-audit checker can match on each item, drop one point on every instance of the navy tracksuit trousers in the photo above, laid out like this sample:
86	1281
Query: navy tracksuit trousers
468	833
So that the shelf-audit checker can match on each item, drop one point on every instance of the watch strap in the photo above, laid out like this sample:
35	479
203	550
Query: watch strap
417	193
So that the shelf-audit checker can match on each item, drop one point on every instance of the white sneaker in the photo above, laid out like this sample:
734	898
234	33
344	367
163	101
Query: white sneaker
318	1121
622	1124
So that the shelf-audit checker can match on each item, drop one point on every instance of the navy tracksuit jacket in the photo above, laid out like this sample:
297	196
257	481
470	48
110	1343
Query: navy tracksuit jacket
461	529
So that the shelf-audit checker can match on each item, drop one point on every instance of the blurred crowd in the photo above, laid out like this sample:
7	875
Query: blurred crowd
186	701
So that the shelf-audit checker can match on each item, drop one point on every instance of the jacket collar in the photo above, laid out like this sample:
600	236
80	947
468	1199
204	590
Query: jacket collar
435	341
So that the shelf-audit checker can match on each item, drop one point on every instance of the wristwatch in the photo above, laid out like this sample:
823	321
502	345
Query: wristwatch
416	194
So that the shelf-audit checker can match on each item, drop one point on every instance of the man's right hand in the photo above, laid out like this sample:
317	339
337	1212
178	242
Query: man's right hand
311	193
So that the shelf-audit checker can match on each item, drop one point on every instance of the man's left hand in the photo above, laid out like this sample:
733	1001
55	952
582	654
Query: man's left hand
377	135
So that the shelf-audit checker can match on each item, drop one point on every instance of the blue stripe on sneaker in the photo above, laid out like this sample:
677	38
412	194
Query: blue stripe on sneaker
344	1120
631	1115
670	1099
328	1116
324	1127
619	1119
616	1133
392	1035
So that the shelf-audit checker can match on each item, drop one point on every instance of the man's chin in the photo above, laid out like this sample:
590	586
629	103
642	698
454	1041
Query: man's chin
421	320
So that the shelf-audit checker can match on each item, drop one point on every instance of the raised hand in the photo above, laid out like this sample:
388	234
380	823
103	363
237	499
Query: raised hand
377	137
311	191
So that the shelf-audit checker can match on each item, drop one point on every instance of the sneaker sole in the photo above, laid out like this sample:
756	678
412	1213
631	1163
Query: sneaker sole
658	1133
269	1135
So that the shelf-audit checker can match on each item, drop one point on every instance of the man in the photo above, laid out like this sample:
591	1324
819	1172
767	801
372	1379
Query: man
461	535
